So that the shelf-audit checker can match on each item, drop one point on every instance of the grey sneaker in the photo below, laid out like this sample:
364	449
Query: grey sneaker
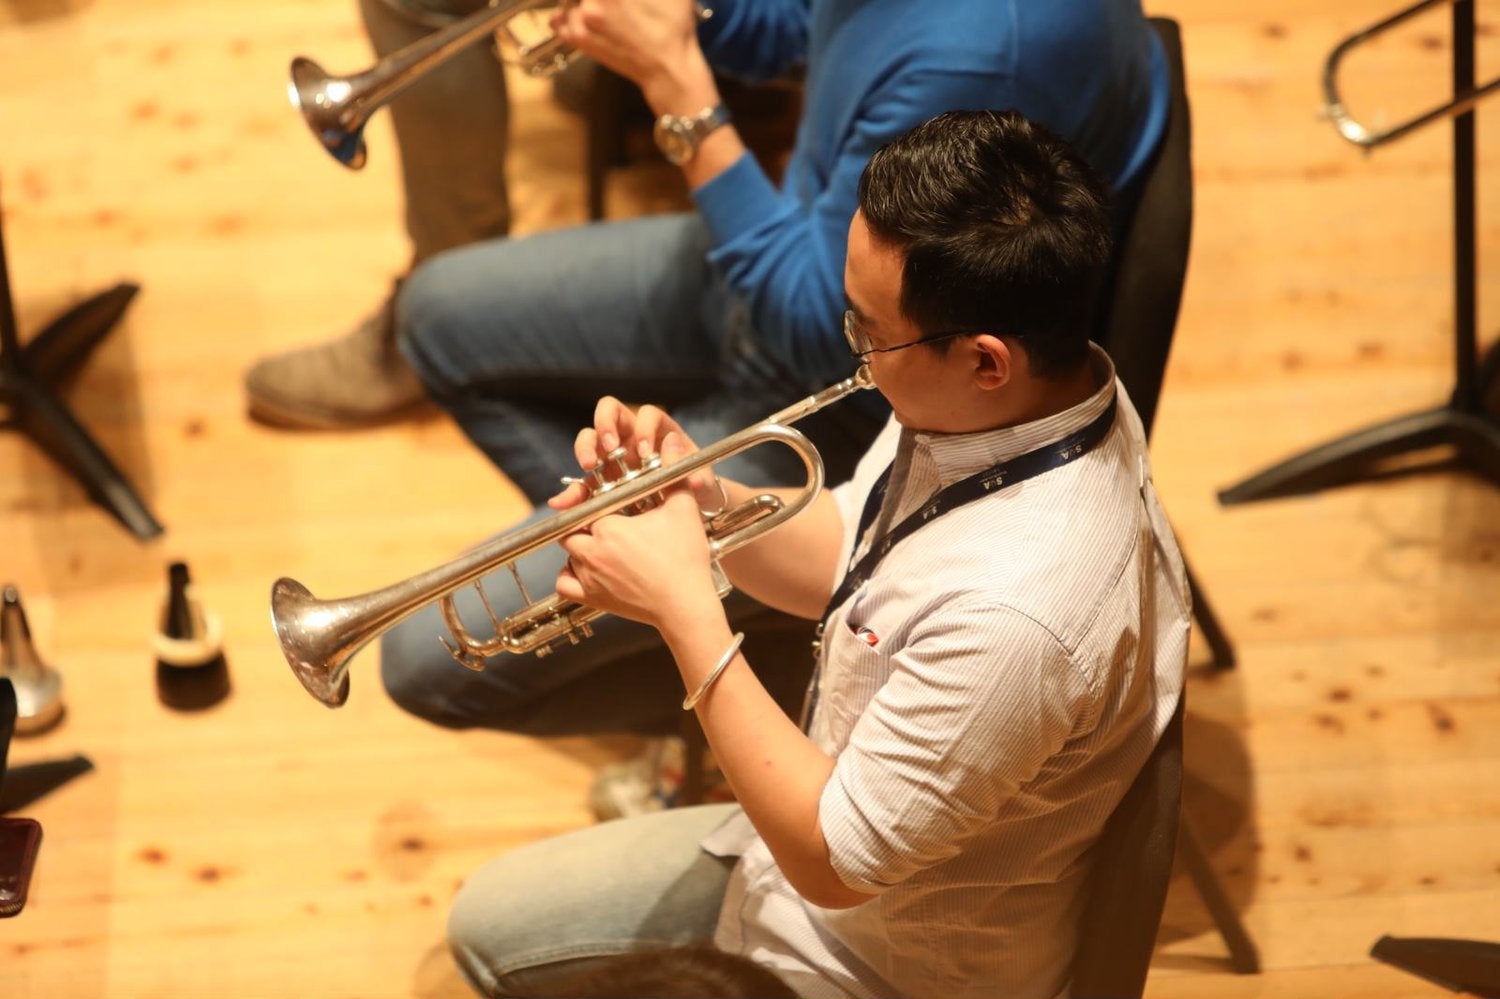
357	380
651	782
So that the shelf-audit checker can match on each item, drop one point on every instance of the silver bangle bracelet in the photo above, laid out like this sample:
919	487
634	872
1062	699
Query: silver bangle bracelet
690	701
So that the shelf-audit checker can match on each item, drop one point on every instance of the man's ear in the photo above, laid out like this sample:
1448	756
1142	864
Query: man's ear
995	362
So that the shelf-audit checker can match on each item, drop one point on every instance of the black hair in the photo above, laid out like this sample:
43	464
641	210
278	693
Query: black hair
1003	227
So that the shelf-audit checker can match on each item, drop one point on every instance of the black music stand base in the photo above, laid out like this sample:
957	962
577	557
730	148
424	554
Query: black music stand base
1463	423
25	784
1475	436
30	402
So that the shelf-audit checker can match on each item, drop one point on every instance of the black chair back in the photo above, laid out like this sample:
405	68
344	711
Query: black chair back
1151	264
1134	854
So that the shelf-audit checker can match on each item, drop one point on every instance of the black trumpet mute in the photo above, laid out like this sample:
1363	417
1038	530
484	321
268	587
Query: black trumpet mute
191	672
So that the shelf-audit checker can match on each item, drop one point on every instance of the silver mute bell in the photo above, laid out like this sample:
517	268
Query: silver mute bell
38	686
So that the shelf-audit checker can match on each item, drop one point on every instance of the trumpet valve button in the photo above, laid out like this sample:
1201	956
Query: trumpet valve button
619	459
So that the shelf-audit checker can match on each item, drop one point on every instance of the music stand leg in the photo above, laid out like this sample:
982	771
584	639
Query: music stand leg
26	395
1463	422
49	423
59	350
25	784
1343	460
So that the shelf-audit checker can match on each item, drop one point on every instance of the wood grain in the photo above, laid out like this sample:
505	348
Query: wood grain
1346	777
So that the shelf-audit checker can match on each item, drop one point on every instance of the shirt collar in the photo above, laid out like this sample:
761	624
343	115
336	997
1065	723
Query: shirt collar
958	456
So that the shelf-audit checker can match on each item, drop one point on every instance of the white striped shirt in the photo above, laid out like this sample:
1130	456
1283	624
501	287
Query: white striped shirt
1030	648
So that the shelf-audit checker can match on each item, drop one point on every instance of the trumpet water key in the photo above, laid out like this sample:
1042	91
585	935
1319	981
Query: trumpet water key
319	637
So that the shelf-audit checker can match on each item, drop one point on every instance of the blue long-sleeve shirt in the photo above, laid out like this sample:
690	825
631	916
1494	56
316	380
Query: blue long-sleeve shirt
1091	70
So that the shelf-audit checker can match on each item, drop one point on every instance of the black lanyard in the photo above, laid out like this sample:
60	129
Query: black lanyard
998	476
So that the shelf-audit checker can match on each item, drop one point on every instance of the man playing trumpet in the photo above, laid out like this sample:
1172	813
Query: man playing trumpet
1004	628
728	312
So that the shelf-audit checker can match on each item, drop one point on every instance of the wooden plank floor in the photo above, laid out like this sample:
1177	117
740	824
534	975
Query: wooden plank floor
1346	776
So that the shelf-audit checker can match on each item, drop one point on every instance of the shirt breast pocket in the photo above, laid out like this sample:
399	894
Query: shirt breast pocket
855	669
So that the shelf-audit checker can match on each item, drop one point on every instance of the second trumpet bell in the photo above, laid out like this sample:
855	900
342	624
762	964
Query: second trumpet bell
336	108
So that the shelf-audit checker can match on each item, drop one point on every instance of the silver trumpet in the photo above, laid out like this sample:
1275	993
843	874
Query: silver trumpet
320	637
1369	138
336	108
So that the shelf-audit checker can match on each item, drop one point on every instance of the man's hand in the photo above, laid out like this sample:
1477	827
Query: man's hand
653	43
652	567
642	433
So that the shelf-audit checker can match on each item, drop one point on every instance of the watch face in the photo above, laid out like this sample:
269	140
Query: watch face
673	141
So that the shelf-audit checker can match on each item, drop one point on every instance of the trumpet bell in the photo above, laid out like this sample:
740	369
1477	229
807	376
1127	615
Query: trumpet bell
324	101
308	630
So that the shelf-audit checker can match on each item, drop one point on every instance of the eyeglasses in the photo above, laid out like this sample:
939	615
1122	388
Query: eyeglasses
859	340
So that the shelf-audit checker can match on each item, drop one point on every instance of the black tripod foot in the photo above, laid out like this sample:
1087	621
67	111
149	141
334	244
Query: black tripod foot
26	784
1469	966
48	422
61	348
27	394
1341	461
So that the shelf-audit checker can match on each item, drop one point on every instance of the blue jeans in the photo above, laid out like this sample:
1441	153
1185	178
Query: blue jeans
532	919
517	339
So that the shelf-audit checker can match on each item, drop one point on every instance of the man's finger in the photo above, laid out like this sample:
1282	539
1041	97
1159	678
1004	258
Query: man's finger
586	448
613	422
574	494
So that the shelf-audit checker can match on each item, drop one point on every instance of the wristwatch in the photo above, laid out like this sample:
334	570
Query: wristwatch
679	135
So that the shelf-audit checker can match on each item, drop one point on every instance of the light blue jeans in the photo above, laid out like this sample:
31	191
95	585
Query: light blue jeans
517	339
531	919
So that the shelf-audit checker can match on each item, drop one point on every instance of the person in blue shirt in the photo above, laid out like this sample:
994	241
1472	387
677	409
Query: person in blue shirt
730	311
